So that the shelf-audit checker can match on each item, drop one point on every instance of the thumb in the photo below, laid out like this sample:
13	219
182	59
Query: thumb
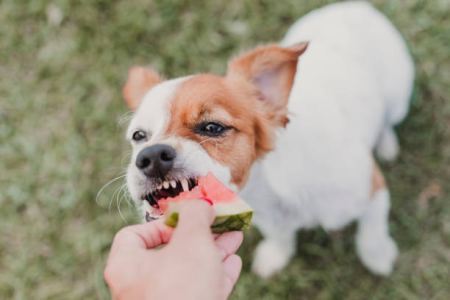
194	222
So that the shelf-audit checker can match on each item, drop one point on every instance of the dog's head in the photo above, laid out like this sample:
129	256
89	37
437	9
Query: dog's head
186	127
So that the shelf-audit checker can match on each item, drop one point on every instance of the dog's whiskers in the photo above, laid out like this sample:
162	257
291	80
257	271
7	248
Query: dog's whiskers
195	150
211	138
127	197
114	197
125	118
108	184
119	201
127	154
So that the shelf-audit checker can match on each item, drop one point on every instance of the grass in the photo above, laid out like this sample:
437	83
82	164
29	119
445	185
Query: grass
62	66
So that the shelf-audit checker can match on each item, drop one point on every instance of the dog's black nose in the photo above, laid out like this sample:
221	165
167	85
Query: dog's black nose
156	161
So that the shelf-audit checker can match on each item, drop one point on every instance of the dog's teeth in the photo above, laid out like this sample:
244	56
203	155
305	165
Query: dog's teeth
166	184
185	185
147	207
173	183
159	187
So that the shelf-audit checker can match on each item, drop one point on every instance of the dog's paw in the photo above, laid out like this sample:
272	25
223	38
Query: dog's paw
378	255
270	258
388	148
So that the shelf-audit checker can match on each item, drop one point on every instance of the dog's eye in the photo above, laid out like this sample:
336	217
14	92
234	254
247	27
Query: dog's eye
213	129
139	135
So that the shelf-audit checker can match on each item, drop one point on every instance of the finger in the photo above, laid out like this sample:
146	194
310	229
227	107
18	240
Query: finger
232	267
228	243
144	236
194	222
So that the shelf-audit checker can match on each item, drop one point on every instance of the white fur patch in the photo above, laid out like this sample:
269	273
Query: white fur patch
353	82
153	114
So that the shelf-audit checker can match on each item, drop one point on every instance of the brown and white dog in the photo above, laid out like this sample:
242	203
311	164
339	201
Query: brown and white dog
291	126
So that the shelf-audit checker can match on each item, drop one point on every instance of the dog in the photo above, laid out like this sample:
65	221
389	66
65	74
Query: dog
291	127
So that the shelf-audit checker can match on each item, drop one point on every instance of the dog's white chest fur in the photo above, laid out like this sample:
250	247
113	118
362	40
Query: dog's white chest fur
352	86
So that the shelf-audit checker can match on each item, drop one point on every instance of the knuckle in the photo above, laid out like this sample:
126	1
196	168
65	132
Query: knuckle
121	234
108	274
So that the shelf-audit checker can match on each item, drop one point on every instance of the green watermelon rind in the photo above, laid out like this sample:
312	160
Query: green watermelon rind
236	222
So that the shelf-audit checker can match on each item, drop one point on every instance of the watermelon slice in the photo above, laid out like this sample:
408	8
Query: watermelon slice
232	213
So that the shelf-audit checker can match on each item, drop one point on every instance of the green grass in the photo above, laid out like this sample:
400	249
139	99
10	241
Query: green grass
60	102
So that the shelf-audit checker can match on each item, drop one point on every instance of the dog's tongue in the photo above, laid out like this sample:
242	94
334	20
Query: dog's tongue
162	194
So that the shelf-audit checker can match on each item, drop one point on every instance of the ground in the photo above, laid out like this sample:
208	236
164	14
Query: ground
62	66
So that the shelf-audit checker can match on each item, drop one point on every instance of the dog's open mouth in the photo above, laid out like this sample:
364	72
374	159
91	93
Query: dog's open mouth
164	190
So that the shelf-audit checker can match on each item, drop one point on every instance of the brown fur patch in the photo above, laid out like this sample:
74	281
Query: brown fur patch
209	98
139	81
238	101
378	182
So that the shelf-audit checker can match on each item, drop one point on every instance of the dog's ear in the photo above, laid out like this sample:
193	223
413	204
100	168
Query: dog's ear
139	81
271	69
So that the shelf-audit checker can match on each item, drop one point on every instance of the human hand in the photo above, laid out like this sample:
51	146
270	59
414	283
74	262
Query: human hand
193	265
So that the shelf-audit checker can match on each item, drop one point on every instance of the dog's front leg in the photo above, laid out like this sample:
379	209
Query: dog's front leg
278	217
278	223
273	254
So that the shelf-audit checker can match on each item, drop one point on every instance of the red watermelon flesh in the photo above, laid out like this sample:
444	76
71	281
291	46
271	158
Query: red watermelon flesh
208	187
232	213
